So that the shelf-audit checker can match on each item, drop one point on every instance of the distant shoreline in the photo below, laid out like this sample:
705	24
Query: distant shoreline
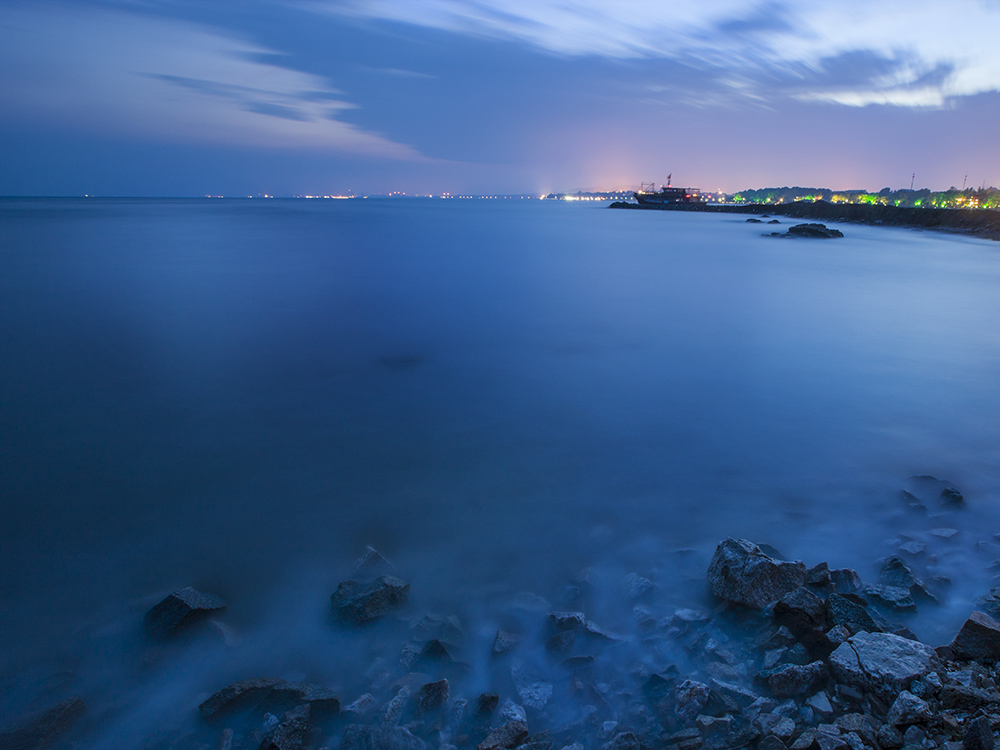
983	223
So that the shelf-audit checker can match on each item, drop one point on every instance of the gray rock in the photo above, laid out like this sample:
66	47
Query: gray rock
179	610
361	707
889	737
845	580
371	564
792	679
319	698
740	572
897	573
771	743
531	687
841	610
820	703
908	709
952	498
359	604
291	733
691	698
636	586
892	597
238	695
42	731
432	696
779	726
978	639
504	643
365	737
508	735
622	741
881	663
978	735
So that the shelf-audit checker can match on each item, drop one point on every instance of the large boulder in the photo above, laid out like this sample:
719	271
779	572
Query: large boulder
741	572
882	663
359	604
181	609
978	639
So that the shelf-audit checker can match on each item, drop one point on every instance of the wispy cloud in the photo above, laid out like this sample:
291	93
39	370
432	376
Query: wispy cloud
906	41
124	73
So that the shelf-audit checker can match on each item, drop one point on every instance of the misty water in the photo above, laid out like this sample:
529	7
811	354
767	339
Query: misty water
240	395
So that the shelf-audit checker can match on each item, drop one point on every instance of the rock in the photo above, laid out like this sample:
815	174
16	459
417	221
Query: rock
908	709
804	614
42	731
792	679
978	639
361	707
820	703
814	230
861	725
881	663
568	621
510	711
892	597
181	609
952	498
898	574
740	572
291	733
889	737
508	735
432	696
978	735
394	709
944	533
360	604
753	221
636	586
845	580
771	743
320	699
532	688
486	704
623	741
841	610
239	695
691	698
371	563
365	737
779	726
504	643
774	221
819	576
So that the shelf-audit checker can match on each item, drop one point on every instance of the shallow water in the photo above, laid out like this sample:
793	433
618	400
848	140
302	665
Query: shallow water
240	395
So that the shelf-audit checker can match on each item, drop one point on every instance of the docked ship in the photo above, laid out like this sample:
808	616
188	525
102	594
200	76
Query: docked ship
666	194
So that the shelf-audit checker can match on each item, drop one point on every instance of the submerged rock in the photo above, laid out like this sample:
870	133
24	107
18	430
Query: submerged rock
359	604
238	695
181	609
814	230
508	735
291	733
741	572
42	731
364	737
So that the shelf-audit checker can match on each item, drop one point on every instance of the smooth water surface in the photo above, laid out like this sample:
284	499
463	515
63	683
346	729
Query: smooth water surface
240	395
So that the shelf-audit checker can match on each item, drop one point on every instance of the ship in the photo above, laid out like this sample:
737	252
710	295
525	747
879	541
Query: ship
646	195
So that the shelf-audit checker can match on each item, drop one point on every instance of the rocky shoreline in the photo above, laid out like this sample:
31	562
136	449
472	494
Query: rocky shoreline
786	656
984	223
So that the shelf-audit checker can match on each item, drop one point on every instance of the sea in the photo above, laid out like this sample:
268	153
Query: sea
513	401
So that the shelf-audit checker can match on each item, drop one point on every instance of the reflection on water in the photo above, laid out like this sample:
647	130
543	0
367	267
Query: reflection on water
239	395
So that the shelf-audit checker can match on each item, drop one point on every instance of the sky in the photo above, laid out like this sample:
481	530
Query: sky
290	97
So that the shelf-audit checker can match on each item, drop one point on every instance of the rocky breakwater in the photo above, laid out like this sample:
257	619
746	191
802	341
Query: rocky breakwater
983	223
780	655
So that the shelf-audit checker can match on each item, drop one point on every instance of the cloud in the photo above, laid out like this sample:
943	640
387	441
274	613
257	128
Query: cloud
122	73
907	40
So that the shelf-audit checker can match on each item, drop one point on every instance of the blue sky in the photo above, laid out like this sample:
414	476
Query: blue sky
236	97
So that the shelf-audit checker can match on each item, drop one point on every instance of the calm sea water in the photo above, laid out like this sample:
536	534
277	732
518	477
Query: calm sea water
240	395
